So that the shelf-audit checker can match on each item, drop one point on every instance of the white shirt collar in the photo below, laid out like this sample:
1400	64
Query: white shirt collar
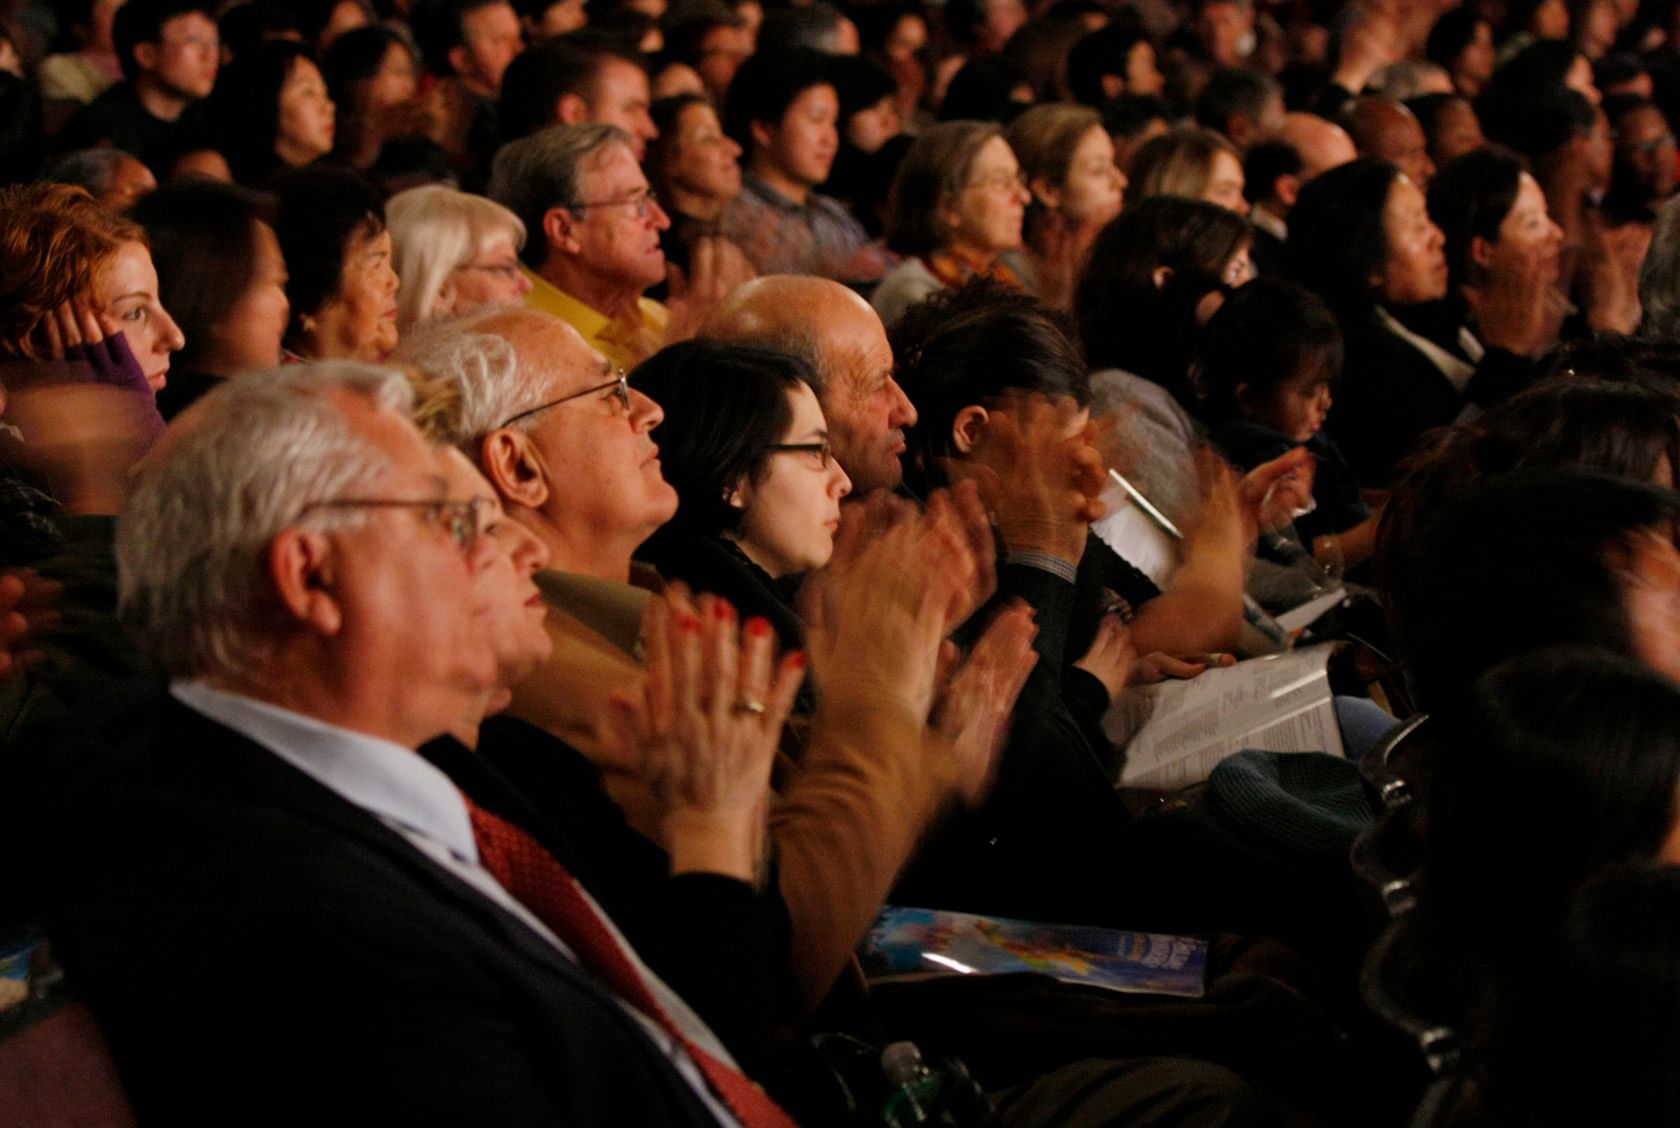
395	783
1268	223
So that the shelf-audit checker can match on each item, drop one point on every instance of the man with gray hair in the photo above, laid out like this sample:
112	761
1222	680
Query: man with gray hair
593	244
292	554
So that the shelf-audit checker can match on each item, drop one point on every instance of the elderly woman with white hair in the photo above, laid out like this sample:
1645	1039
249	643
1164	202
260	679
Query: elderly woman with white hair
454	253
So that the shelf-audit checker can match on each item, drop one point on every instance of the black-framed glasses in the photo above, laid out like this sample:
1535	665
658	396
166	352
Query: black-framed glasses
642	200
620	385
822	450
459	519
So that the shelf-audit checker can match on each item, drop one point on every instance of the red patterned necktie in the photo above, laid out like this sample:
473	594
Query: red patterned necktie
540	883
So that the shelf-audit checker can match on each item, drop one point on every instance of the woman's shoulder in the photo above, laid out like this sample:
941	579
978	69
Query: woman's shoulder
902	287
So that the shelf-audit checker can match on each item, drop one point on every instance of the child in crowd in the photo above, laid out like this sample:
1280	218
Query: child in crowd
1267	360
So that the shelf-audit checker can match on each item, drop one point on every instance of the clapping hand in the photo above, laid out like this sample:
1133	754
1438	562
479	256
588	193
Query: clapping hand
974	707
707	726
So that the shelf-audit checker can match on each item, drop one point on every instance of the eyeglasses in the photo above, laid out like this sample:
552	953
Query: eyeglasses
822	450
459	519
619	384
643	201
506	271
1000	181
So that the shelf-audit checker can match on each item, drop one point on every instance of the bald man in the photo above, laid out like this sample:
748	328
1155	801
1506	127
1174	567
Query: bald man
839	332
1385	129
1276	168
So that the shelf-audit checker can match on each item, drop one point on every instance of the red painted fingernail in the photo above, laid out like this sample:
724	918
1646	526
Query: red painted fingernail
691	623
758	626
724	612
798	660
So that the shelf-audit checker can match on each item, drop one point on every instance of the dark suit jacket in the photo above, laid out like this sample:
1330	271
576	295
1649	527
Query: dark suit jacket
260	950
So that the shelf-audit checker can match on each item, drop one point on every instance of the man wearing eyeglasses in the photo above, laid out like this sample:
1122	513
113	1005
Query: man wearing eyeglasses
594	225
277	909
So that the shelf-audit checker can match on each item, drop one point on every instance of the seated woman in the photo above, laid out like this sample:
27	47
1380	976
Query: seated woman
1193	162
79	305
220	270
1265	368
372	77
1361	237
745	444
453	252
1068	158
270	112
871	140
695	168
1153	277
339	279
958	203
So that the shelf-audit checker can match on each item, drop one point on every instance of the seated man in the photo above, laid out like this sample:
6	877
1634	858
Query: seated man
842	335
325	895
782	111
577	78
1274	171
168	52
593	248
468	46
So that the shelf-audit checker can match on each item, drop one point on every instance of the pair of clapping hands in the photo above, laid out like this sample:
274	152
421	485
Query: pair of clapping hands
707	724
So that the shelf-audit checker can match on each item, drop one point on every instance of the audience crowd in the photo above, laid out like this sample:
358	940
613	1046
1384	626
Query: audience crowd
524	526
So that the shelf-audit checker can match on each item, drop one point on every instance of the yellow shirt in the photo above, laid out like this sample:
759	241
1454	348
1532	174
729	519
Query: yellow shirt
626	342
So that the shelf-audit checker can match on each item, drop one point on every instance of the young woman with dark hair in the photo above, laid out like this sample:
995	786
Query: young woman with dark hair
270	112
372	76
339	277
745	445
221	272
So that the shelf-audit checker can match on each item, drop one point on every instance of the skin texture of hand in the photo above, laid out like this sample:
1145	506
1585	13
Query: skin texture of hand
899	581
1292	475
67	326
82	440
1112	656
26	612
1613	258
706	755
1158	667
1040	484
1511	310
1201	610
972	716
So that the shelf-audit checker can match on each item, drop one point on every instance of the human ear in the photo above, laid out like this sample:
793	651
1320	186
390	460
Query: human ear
146	56
301	567
1481	251
444	304
1046	193
1288	189
969	427
514	466
557	229
1160	276
762	133
571	109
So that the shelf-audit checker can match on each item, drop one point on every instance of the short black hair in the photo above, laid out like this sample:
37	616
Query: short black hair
357	56
726	405
983	90
244	107
1264	162
1130	114
1264	335
141	21
973	345
813	26
1104	53
766	85
537	77
439	27
322	211
1451	34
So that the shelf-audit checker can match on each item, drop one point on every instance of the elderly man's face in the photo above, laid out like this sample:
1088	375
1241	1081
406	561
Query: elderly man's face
617	233
412	619
600	465
867	410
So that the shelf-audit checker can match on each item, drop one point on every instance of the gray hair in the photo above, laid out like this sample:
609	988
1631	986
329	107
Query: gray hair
248	463
545	170
436	230
1659	276
494	381
93	169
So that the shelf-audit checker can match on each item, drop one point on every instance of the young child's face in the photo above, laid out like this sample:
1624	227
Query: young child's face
1299	406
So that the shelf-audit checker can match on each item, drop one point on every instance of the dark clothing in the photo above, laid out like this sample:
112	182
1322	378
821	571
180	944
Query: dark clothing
1337	503
717	565
715	941
182	389
257	948
1391	393
117	118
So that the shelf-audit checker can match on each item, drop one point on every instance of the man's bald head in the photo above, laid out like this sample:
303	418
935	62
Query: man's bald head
1322	144
845	341
1385	129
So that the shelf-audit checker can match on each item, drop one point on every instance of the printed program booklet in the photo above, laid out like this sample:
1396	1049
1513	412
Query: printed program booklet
908	943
